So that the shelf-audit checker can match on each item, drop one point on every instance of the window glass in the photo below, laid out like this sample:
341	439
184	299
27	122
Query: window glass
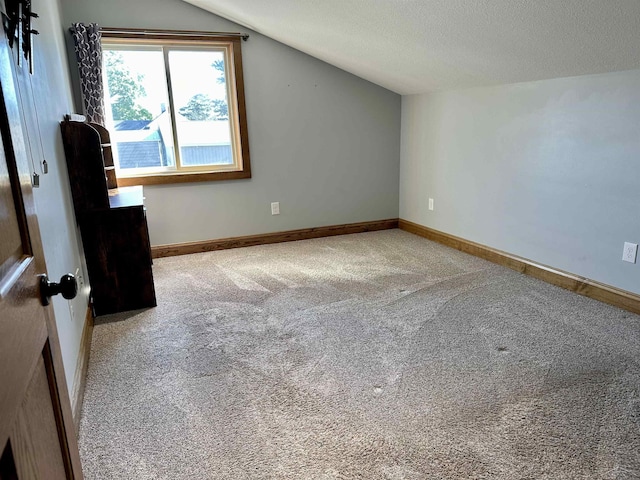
137	103
202	107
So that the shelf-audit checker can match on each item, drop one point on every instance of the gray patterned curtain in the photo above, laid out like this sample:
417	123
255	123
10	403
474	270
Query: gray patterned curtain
89	56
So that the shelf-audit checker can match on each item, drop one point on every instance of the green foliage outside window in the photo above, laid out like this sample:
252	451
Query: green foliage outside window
125	88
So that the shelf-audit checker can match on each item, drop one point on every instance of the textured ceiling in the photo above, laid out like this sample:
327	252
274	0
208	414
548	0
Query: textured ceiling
415	46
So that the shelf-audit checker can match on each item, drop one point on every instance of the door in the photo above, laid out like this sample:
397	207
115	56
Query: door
37	438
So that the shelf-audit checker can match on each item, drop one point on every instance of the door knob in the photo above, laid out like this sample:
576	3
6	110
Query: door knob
67	286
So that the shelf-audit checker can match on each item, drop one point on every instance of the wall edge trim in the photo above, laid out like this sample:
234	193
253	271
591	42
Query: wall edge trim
80	376
569	281
171	250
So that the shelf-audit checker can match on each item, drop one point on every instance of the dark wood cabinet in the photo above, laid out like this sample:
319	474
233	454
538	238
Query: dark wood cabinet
112	223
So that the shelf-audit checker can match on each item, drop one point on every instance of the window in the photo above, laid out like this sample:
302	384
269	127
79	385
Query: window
174	105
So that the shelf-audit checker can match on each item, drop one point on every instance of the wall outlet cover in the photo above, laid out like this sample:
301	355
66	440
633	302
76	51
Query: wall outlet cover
431	204
275	208
630	252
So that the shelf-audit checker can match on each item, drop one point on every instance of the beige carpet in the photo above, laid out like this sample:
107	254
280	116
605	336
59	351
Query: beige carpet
374	356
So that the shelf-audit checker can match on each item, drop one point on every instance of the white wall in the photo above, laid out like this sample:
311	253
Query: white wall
545	170
49	89
324	143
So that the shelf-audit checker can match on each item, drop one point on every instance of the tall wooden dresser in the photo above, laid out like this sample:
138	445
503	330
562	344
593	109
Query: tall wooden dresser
112	222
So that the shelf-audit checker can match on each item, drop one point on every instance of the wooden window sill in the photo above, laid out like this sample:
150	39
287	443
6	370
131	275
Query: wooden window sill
182	178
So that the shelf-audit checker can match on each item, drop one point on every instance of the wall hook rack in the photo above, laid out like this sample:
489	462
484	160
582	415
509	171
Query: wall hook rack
16	20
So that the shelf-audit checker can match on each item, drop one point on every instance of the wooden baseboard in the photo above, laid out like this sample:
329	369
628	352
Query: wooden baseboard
581	285
80	376
278	237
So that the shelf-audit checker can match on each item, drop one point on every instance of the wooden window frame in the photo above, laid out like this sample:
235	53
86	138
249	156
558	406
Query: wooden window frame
167	37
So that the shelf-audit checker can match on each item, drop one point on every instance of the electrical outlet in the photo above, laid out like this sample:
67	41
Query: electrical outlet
630	252
275	208
431	204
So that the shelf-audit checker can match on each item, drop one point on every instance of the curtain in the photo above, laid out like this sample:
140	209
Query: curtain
89	55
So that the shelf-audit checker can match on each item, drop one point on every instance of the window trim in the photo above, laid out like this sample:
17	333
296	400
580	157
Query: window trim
158	37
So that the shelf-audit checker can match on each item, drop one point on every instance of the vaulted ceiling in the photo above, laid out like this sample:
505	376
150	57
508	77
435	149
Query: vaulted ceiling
415	46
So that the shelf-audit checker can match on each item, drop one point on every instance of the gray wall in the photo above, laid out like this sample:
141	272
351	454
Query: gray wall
324	143
545	170
50	90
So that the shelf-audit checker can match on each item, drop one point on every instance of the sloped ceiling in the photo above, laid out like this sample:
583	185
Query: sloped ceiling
415	46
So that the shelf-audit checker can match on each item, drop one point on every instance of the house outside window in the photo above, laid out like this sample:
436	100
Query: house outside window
175	108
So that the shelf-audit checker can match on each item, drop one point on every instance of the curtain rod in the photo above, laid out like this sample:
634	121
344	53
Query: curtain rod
160	32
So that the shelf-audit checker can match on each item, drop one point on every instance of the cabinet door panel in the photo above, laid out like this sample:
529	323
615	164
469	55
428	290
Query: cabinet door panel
118	259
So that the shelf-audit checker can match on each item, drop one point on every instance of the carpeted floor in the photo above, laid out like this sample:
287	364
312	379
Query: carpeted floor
375	356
